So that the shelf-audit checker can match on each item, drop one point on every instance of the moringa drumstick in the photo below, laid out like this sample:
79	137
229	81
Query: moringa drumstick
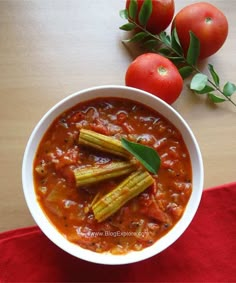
102	142
89	175
132	186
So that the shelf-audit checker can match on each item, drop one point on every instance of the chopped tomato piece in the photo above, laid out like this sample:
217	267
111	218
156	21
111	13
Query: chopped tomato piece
155	212
99	127
78	116
70	157
67	173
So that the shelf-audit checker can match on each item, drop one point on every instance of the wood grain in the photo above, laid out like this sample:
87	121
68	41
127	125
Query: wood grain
52	48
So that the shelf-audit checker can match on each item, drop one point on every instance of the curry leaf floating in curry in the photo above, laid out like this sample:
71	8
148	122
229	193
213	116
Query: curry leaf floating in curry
145	154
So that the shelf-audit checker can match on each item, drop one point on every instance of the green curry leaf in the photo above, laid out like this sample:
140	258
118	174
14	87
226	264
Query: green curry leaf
229	89
138	37
124	14
165	38
175	42
185	71
215	99
193	50
145	12
199	82
205	90
150	44
145	154
133	9
128	27
214	75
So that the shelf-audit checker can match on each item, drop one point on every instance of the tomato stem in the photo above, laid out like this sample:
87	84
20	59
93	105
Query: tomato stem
162	71
208	20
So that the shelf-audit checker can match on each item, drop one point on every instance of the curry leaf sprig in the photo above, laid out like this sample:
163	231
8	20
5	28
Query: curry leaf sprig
169	46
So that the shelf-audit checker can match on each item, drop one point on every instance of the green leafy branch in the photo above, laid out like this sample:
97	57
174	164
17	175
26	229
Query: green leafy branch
169	46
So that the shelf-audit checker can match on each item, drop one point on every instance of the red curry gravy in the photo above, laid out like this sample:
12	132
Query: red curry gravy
145	218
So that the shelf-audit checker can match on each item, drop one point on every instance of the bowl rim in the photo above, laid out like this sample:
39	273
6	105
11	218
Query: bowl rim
44	223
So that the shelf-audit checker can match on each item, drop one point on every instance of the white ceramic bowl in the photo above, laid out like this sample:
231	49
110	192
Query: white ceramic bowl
134	94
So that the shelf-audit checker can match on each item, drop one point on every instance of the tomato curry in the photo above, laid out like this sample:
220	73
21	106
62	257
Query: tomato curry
143	219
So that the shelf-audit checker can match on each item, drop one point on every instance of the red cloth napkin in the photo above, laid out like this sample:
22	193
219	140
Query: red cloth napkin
206	252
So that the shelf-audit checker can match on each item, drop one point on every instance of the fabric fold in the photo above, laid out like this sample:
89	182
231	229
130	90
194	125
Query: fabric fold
206	252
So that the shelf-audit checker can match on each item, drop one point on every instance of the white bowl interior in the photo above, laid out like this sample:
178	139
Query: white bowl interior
124	92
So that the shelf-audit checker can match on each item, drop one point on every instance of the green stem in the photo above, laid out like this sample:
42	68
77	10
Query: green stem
220	91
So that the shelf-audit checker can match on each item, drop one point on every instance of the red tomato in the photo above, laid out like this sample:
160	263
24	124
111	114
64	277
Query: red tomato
156	74
207	22
162	14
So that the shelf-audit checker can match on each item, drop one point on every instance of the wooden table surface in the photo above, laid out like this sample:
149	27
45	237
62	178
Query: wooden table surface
52	48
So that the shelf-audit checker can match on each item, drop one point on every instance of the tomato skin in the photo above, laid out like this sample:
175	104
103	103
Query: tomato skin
207	22
155	74
162	14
